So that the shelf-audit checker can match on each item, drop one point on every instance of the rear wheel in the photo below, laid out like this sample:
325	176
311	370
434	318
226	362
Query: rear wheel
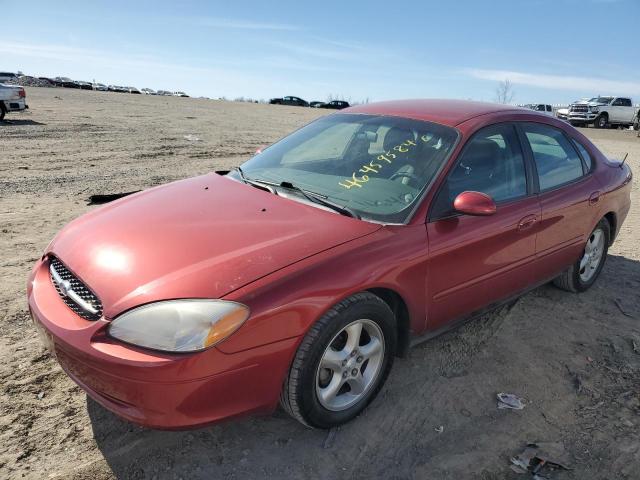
582	274
602	121
3	111
342	362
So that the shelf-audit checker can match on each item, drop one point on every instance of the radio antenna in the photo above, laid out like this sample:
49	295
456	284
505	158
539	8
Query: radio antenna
624	159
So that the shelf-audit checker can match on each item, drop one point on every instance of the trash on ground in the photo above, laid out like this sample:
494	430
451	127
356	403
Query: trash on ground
99	199
540	459
439	429
191	138
510	401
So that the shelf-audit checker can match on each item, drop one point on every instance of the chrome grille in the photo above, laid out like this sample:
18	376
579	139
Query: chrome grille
579	108
75	294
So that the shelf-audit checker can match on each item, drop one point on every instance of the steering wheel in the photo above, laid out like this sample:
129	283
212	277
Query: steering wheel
405	174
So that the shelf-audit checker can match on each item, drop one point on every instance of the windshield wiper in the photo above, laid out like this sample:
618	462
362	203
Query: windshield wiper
264	185
320	199
309	195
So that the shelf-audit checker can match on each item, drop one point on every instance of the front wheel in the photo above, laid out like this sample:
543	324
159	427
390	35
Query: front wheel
342	362
582	274
602	121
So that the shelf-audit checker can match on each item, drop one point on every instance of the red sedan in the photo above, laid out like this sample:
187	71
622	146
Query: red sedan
298	277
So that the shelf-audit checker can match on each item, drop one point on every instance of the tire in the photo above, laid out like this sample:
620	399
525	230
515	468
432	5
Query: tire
579	277
3	110
636	124
305	391
602	121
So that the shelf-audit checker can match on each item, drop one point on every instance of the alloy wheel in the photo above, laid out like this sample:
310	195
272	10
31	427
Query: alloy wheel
350	365
592	256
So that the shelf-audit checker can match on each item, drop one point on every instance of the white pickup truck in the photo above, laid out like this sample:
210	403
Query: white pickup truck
603	111
12	99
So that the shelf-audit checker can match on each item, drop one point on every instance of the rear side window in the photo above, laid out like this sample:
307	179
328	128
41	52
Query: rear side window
557	161
491	163
584	154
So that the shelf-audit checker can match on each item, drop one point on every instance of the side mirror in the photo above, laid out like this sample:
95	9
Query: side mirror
474	203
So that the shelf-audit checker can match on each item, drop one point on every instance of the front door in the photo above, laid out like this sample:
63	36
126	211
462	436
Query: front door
476	261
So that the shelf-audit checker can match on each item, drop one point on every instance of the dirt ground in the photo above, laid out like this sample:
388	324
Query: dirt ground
574	358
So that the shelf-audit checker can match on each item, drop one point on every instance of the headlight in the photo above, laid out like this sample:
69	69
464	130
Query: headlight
179	325
595	109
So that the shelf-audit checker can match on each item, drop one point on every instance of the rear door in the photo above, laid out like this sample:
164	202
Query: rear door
475	261
568	195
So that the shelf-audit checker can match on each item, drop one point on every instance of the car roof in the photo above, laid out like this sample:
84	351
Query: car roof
445	112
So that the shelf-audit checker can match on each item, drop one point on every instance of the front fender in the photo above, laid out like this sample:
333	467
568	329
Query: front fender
286	303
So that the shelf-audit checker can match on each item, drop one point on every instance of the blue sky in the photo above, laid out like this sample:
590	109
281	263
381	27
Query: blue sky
552	50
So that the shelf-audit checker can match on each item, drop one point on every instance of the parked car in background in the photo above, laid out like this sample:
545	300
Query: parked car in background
65	82
13	98
6	76
563	113
541	107
164	93
294	101
85	85
603	112
180	94
335	105
298	277
148	91
118	89
101	87
314	104
133	90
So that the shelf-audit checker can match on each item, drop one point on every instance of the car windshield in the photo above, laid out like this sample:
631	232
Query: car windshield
602	100
377	166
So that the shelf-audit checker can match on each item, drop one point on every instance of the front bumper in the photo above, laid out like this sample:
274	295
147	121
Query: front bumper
158	390
586	117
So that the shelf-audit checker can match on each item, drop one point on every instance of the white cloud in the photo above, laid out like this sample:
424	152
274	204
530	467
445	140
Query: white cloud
559	82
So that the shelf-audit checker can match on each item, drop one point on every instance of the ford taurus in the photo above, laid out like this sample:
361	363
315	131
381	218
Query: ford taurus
297	277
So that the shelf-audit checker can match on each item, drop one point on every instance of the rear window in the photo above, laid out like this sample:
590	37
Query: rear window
556	159
584	154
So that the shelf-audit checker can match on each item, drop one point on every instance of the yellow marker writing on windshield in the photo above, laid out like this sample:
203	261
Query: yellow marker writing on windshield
354	181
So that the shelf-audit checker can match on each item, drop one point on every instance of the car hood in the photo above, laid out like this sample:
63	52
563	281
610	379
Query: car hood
591	104
198	238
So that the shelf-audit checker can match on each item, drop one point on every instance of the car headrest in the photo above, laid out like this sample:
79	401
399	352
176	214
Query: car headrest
395	136
482	154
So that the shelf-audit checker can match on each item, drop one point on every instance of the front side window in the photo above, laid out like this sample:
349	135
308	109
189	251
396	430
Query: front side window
375	165
491	163
557	161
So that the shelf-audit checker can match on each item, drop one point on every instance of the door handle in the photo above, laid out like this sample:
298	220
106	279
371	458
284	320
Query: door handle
527	222
594	198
